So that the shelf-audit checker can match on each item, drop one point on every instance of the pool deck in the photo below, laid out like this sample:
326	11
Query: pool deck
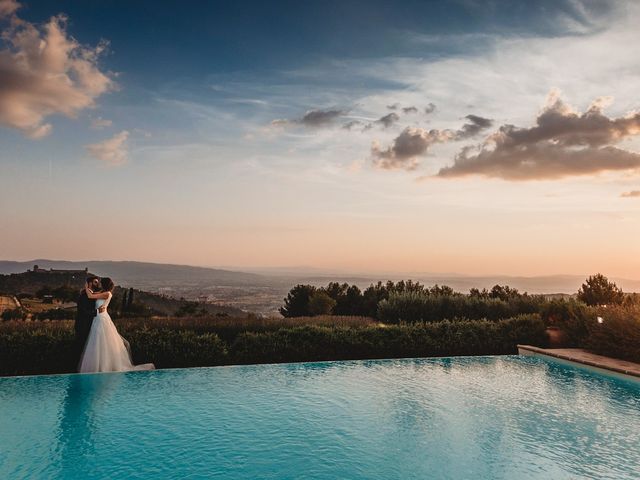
580	356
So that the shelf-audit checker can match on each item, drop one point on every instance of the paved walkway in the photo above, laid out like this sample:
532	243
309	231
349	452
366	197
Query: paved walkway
582	356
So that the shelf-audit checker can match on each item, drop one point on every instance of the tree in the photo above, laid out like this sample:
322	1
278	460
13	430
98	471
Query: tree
444	290
66	293
297	302
321	303
373	295
504	292
124	301
348	298
14	314
353	301
130	299
475	293
598	290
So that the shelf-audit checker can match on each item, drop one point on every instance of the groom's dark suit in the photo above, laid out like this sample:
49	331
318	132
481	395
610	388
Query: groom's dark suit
84	318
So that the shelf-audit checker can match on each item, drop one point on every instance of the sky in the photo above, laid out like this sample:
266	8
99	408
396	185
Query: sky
461	136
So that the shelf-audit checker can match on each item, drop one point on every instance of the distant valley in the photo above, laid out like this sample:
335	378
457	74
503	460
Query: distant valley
263	291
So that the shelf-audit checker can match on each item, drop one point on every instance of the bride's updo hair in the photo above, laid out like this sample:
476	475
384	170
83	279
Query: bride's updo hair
107	284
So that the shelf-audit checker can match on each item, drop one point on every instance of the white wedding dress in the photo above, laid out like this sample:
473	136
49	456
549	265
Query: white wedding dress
105	350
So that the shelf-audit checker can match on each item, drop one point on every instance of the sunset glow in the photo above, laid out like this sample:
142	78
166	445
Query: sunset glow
451	138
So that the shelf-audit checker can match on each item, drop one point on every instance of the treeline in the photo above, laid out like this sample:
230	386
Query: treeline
47	347
408	301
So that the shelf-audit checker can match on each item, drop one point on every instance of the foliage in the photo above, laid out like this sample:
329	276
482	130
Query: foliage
348	298
312	343
14	314
598	290
619	333
47	347
28	348
297	302
168	348
501	292
321	303
31	282
422	306
56	314
572	316
378	299
190	309
64	293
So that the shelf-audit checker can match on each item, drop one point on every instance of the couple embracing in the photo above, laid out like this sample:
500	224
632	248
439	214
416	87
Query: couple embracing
98	343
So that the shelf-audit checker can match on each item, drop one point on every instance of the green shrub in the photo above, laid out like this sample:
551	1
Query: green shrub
176	348
420	339
618	335
47	347
572	316
421	306
14	314
56	314
28	348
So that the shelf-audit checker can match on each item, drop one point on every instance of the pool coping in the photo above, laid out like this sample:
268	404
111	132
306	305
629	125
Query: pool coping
581	357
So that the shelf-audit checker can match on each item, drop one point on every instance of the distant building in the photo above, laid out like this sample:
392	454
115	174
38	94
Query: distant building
37	269
57	271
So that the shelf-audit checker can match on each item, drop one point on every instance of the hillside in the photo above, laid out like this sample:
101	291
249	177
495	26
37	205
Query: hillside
143	274
31	282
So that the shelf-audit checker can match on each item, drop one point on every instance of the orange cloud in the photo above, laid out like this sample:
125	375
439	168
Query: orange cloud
631	194
44	71
112	151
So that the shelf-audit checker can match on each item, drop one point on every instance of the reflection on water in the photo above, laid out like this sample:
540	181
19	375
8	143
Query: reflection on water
85	399
476	418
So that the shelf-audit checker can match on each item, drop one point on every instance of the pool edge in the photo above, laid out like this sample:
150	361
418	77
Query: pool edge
602	366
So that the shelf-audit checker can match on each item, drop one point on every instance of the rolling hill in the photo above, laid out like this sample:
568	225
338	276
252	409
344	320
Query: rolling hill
143	274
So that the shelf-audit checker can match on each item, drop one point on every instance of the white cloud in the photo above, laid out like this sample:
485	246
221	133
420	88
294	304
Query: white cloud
504	80
112	151
44	71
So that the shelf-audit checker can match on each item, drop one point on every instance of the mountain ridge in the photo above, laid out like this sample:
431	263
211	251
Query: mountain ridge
134	273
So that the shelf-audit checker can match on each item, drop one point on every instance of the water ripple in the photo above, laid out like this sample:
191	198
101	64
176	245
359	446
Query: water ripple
476	418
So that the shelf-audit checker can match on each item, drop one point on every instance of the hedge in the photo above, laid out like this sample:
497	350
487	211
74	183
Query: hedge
420	306
618	335
47	347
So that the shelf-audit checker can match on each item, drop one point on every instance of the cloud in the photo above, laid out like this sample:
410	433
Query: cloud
393	107
44	71
631	194
8	7
100	123
112	151
320	118
562	143
388	120
351	124
412	143
475	125
430	108
312	118
406	110
279	122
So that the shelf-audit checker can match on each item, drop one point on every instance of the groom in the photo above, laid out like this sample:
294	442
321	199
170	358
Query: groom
85	314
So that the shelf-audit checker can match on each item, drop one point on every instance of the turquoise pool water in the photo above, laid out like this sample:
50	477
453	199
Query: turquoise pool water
457	418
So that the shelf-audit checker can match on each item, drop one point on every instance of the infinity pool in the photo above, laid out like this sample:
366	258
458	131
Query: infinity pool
457	418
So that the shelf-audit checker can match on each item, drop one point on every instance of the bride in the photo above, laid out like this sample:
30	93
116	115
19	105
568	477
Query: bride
105	350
